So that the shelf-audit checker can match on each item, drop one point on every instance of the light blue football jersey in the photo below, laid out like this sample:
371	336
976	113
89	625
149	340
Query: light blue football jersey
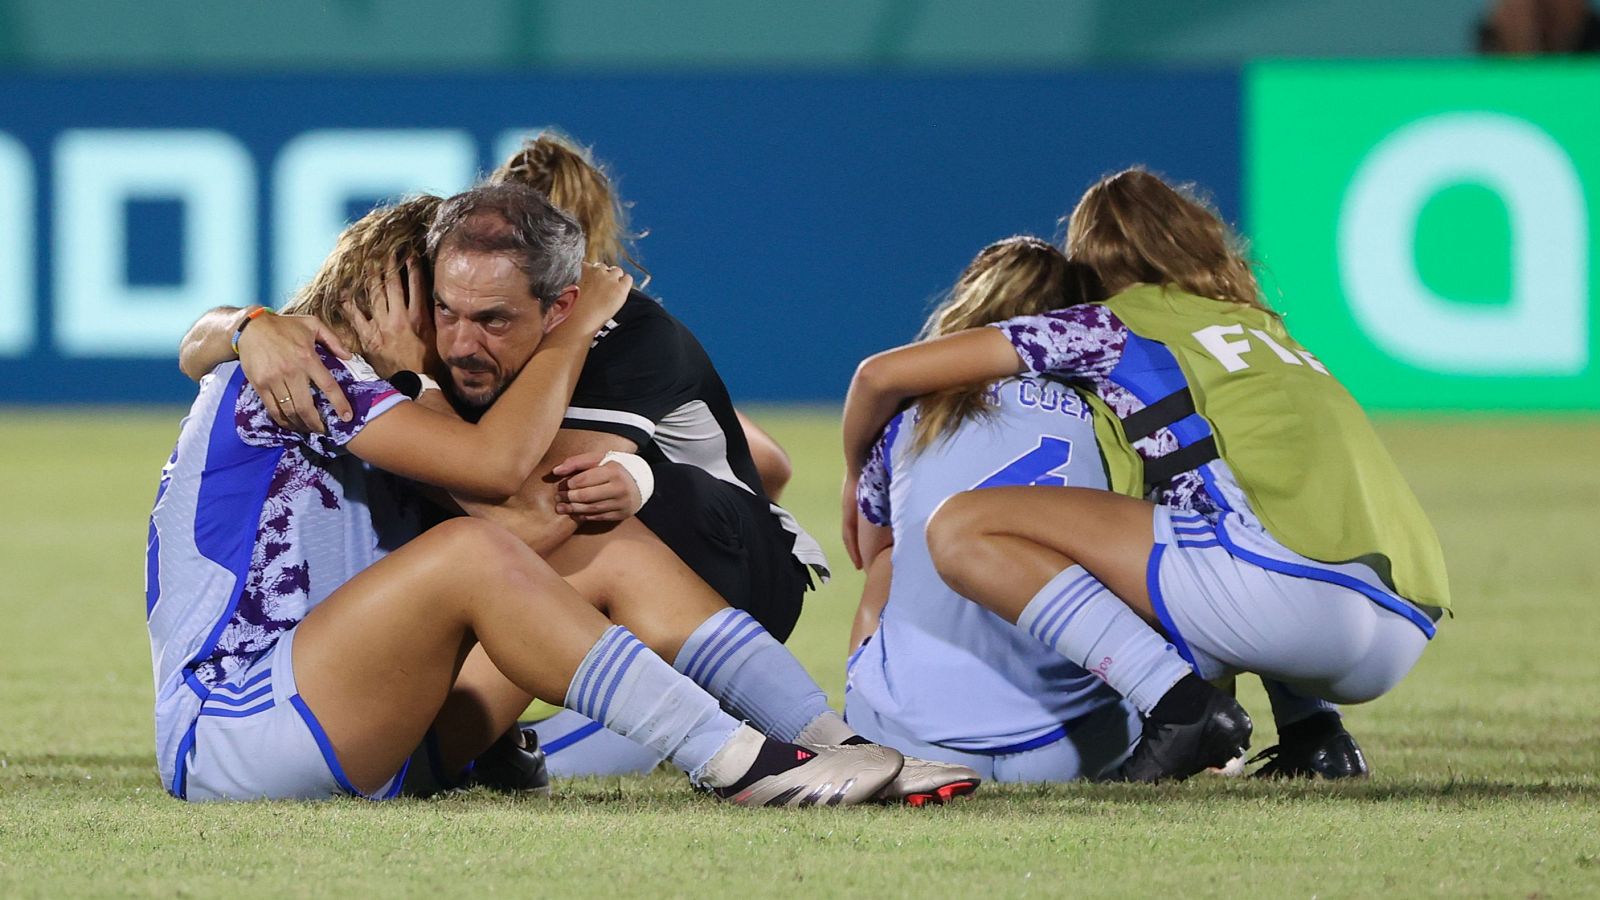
940	666
253	526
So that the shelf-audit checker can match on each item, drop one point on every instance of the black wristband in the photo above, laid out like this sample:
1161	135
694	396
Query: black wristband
407	382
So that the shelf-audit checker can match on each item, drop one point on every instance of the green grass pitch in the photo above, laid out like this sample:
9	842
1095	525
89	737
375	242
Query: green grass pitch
1487	757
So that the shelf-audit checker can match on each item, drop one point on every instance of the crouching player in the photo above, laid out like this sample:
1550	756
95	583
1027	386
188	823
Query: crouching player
941	677
305	636
1282	541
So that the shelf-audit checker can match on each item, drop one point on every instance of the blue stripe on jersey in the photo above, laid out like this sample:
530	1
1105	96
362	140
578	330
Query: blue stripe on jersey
890	432
1149	371
233	490
152	550
152	565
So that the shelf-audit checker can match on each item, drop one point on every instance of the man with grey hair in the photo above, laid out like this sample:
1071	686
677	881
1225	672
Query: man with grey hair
500	284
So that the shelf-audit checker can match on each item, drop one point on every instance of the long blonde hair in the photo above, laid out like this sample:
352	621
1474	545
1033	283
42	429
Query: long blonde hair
567	173
1018	276
1134	228
389	235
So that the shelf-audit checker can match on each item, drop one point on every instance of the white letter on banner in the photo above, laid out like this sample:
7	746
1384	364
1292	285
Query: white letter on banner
96	173
320	172
1544	330
18	291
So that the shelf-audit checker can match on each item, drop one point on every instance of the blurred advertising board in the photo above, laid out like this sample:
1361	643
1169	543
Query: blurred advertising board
797	222
1432	226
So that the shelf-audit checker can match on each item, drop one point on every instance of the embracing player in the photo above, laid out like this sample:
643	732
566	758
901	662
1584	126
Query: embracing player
937	674
1282	540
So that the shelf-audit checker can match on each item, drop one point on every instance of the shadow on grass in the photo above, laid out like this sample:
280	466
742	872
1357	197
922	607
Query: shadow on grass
1210	791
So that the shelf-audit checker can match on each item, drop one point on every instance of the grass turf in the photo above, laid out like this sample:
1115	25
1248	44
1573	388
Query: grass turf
1486	757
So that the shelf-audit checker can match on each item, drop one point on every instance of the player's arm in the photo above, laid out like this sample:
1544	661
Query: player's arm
772	463
875	543
538	513
279	358
493	459
884	382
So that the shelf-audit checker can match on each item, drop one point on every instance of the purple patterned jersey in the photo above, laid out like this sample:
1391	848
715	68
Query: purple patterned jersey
1089	345
253	526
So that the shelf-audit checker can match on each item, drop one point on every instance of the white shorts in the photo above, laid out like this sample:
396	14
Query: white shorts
1226	614
1089	747
255	739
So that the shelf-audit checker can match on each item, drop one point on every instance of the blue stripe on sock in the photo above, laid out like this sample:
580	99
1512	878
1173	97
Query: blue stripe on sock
603	674
616	682
1054	608
1072	613
732	651
1071	609
575	692
745	623
570	738
729	619
742	624
598	655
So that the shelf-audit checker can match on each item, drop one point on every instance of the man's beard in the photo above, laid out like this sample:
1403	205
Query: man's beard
471	405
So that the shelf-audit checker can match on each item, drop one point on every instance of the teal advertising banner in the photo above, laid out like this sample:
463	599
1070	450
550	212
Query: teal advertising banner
1428	228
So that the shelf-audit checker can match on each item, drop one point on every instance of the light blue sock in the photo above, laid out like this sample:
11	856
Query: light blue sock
739	663
1089	625
625	686
1290	706
578	745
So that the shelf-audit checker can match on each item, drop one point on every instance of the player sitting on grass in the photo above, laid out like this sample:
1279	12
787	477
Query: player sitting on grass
488	328
305	636
721	527
936	674
1282	539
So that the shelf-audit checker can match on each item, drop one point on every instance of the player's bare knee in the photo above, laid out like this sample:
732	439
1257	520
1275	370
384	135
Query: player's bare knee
954	532
474	550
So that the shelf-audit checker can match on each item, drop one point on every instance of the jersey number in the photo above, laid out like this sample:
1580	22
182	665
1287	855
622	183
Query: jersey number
1044	465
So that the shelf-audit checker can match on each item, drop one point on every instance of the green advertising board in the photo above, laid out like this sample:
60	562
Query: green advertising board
1429	228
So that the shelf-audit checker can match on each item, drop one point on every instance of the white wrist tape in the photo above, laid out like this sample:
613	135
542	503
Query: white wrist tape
637	469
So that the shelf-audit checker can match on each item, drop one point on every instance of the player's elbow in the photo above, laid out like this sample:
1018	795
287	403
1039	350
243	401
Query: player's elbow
188	359
504	470
774	467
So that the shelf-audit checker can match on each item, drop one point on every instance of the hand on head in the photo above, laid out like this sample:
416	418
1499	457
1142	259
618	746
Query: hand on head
279	357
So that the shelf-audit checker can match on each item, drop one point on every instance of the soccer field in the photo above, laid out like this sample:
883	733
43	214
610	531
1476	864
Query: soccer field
1486	759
